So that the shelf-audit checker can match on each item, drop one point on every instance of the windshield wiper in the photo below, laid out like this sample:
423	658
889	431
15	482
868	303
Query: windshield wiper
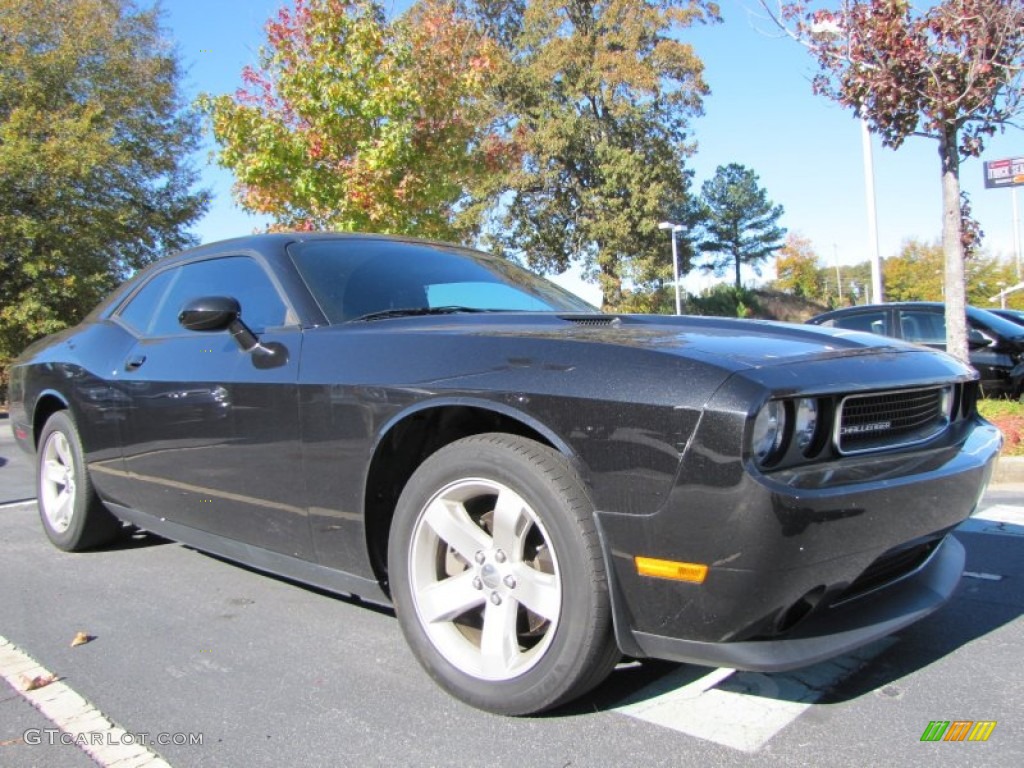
413	311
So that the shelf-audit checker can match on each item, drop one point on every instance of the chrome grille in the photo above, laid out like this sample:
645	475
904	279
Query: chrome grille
890	419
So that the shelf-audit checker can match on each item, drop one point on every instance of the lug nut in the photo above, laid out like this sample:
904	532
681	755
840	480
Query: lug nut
480	557
510	582
499	556
477	584
495	598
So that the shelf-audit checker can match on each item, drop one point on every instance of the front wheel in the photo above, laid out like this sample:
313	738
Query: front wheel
497	575
72	515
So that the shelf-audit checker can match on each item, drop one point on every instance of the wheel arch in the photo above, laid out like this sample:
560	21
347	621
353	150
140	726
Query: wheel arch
48	403
408	438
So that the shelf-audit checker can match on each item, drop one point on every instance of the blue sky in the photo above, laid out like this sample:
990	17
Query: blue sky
761	113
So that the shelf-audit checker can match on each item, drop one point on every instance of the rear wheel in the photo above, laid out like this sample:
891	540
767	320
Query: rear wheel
497	575
72	515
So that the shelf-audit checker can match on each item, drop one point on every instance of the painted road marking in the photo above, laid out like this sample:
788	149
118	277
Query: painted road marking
21	503
74	715
1002	519
741	710
1002	513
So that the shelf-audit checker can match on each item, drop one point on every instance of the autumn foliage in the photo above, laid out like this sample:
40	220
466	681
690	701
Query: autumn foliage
952	72
352	122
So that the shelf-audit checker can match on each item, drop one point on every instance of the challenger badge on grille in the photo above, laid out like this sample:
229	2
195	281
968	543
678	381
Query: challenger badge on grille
881	420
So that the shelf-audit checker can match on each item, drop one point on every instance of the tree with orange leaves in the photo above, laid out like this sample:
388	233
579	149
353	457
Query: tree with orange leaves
354	122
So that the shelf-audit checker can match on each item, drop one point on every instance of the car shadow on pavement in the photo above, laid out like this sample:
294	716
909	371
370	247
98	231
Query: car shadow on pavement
134	538
385	610
981	605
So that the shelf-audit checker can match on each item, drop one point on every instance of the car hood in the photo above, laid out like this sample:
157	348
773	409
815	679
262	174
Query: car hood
726	343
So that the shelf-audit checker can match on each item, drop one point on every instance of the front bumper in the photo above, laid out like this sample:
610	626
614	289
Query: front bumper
801	567
828	633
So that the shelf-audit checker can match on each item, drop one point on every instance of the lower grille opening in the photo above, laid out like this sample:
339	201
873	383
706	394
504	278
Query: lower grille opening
890	567
799	610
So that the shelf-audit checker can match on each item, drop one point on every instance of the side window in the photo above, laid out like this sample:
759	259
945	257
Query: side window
870	322
923	327
237	276
144	305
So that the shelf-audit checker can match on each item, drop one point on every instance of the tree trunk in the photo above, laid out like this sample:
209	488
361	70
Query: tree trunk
611	285
952	246
736	258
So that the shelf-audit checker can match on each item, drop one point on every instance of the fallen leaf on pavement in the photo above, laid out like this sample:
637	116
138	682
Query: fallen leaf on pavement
39	681
81	639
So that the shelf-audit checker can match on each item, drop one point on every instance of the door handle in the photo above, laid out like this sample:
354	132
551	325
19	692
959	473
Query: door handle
134	362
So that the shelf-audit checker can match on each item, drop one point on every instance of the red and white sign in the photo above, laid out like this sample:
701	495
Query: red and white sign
1004	173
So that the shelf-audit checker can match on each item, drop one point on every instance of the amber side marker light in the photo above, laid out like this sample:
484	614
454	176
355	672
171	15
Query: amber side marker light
670	569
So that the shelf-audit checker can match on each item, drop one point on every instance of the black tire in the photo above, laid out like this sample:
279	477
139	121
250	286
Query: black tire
461	591
72	515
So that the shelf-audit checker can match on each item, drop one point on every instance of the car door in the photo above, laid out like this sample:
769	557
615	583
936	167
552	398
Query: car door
211	436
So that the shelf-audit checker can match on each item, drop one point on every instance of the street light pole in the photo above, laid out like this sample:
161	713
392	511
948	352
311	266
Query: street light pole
675	260
877	296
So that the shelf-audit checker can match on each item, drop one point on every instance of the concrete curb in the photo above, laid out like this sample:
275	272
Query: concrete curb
1008	469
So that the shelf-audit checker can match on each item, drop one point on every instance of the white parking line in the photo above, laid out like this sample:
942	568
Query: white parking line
742	710
100	738
1002	513
22	503
1002	519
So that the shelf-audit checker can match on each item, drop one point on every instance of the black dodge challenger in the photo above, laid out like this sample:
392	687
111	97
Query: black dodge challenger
537	488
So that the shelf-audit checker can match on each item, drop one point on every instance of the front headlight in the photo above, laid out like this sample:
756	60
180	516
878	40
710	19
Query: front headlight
769	430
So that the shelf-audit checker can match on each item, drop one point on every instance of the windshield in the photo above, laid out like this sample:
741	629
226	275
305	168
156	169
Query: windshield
354	278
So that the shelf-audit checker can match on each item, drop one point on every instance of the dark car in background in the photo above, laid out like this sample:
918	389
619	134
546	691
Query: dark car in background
537	487
1013	315
996	344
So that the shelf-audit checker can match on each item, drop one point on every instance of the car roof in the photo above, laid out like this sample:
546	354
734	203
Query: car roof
269	245
985	317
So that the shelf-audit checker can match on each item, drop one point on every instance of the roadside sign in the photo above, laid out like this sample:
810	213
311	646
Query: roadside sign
1004	173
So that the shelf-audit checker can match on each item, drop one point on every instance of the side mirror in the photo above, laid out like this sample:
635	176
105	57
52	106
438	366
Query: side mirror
223	313
209	313
976	339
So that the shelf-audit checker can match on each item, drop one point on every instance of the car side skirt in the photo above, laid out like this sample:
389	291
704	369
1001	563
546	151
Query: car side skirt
274	563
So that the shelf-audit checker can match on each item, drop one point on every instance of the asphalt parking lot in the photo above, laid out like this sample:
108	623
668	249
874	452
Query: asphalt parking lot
189	648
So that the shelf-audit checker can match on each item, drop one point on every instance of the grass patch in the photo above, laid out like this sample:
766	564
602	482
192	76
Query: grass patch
1008	416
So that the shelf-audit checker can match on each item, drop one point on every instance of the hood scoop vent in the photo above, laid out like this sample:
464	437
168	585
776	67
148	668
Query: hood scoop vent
594	321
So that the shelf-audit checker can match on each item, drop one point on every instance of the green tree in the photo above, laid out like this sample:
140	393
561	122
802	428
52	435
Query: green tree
352	122
95	180
797	270
986	276
952	71
596	96
741	222
915	273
